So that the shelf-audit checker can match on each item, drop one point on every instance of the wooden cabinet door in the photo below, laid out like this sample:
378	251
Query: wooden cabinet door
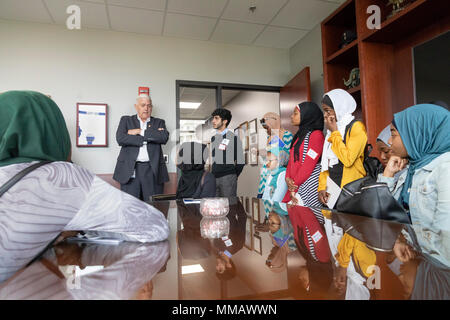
297	90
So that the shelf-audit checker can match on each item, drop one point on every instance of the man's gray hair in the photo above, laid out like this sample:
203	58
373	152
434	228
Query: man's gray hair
143	96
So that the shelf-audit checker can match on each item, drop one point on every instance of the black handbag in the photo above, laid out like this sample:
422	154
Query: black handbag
379	235
368	198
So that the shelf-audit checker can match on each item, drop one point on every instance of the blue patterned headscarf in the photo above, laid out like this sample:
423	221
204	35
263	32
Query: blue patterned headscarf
425	132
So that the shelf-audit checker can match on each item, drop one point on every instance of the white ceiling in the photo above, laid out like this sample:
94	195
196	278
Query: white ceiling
274	23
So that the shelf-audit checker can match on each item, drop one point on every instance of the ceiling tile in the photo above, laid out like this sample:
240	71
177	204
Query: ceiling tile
276	37
207	8
304	14
180	25
142	4
265	10
236	32
24	10
136	20
92	15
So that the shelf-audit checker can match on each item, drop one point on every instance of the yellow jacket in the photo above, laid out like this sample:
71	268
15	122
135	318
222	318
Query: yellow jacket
363	257
350	154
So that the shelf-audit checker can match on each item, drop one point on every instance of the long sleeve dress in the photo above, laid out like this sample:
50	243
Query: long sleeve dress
306	171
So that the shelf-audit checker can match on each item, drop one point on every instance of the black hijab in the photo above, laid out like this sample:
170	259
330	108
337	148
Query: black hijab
191	163
311	119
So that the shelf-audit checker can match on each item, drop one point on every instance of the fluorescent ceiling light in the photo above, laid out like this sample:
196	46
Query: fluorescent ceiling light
190	105
195	268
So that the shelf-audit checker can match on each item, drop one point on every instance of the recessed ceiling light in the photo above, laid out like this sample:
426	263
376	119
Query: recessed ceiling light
190	105
195	268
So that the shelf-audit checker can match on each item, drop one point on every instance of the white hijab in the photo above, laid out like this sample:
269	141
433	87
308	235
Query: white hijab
344	105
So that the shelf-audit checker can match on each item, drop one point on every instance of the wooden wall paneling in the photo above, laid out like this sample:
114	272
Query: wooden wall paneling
297	90
377	69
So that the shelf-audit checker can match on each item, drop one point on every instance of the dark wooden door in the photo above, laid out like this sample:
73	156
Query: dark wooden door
297	90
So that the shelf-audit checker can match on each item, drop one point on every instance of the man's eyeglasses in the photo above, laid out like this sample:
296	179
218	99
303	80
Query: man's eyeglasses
263	120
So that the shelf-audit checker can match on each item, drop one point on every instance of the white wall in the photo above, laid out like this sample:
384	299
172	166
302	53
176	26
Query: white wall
308	52
108	67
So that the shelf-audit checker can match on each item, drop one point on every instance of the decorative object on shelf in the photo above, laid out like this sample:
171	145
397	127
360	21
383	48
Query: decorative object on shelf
347	37
253	160
214	228
255	210
249	233
353	80
397	6
252	127
257	244
214	207
92	125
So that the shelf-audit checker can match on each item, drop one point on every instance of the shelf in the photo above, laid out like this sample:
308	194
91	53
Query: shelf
414	17
346	54
354	90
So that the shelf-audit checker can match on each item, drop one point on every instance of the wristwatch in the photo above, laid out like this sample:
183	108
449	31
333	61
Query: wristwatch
144	142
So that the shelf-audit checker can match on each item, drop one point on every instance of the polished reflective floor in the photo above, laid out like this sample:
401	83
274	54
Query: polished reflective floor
273	251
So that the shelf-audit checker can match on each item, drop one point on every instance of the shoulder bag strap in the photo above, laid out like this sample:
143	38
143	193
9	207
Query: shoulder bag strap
20	175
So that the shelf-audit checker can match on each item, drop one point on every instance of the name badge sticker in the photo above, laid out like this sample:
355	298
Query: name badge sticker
316	236
312	154
225	141
228	243
222	146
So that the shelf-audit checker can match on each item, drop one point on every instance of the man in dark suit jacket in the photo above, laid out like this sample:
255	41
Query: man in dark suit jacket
141	169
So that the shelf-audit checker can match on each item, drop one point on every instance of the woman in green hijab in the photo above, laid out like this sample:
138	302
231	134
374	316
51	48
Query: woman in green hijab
59	196
31	128
422	134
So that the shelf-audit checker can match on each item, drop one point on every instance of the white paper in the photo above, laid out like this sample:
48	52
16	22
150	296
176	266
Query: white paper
334	191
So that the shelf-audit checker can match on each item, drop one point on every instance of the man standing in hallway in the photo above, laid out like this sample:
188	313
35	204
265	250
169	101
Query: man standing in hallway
227	155
141	169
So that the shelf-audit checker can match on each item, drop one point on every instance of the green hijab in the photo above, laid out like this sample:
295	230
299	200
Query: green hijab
31	128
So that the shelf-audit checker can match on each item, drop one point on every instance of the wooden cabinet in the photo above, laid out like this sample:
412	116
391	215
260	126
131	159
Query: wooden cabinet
384	56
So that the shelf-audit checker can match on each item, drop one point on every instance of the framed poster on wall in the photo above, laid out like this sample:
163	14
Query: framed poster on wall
243	134
253	150
253	127
255	210
92	125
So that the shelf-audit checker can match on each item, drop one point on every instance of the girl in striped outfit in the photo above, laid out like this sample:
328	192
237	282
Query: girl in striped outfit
303	170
